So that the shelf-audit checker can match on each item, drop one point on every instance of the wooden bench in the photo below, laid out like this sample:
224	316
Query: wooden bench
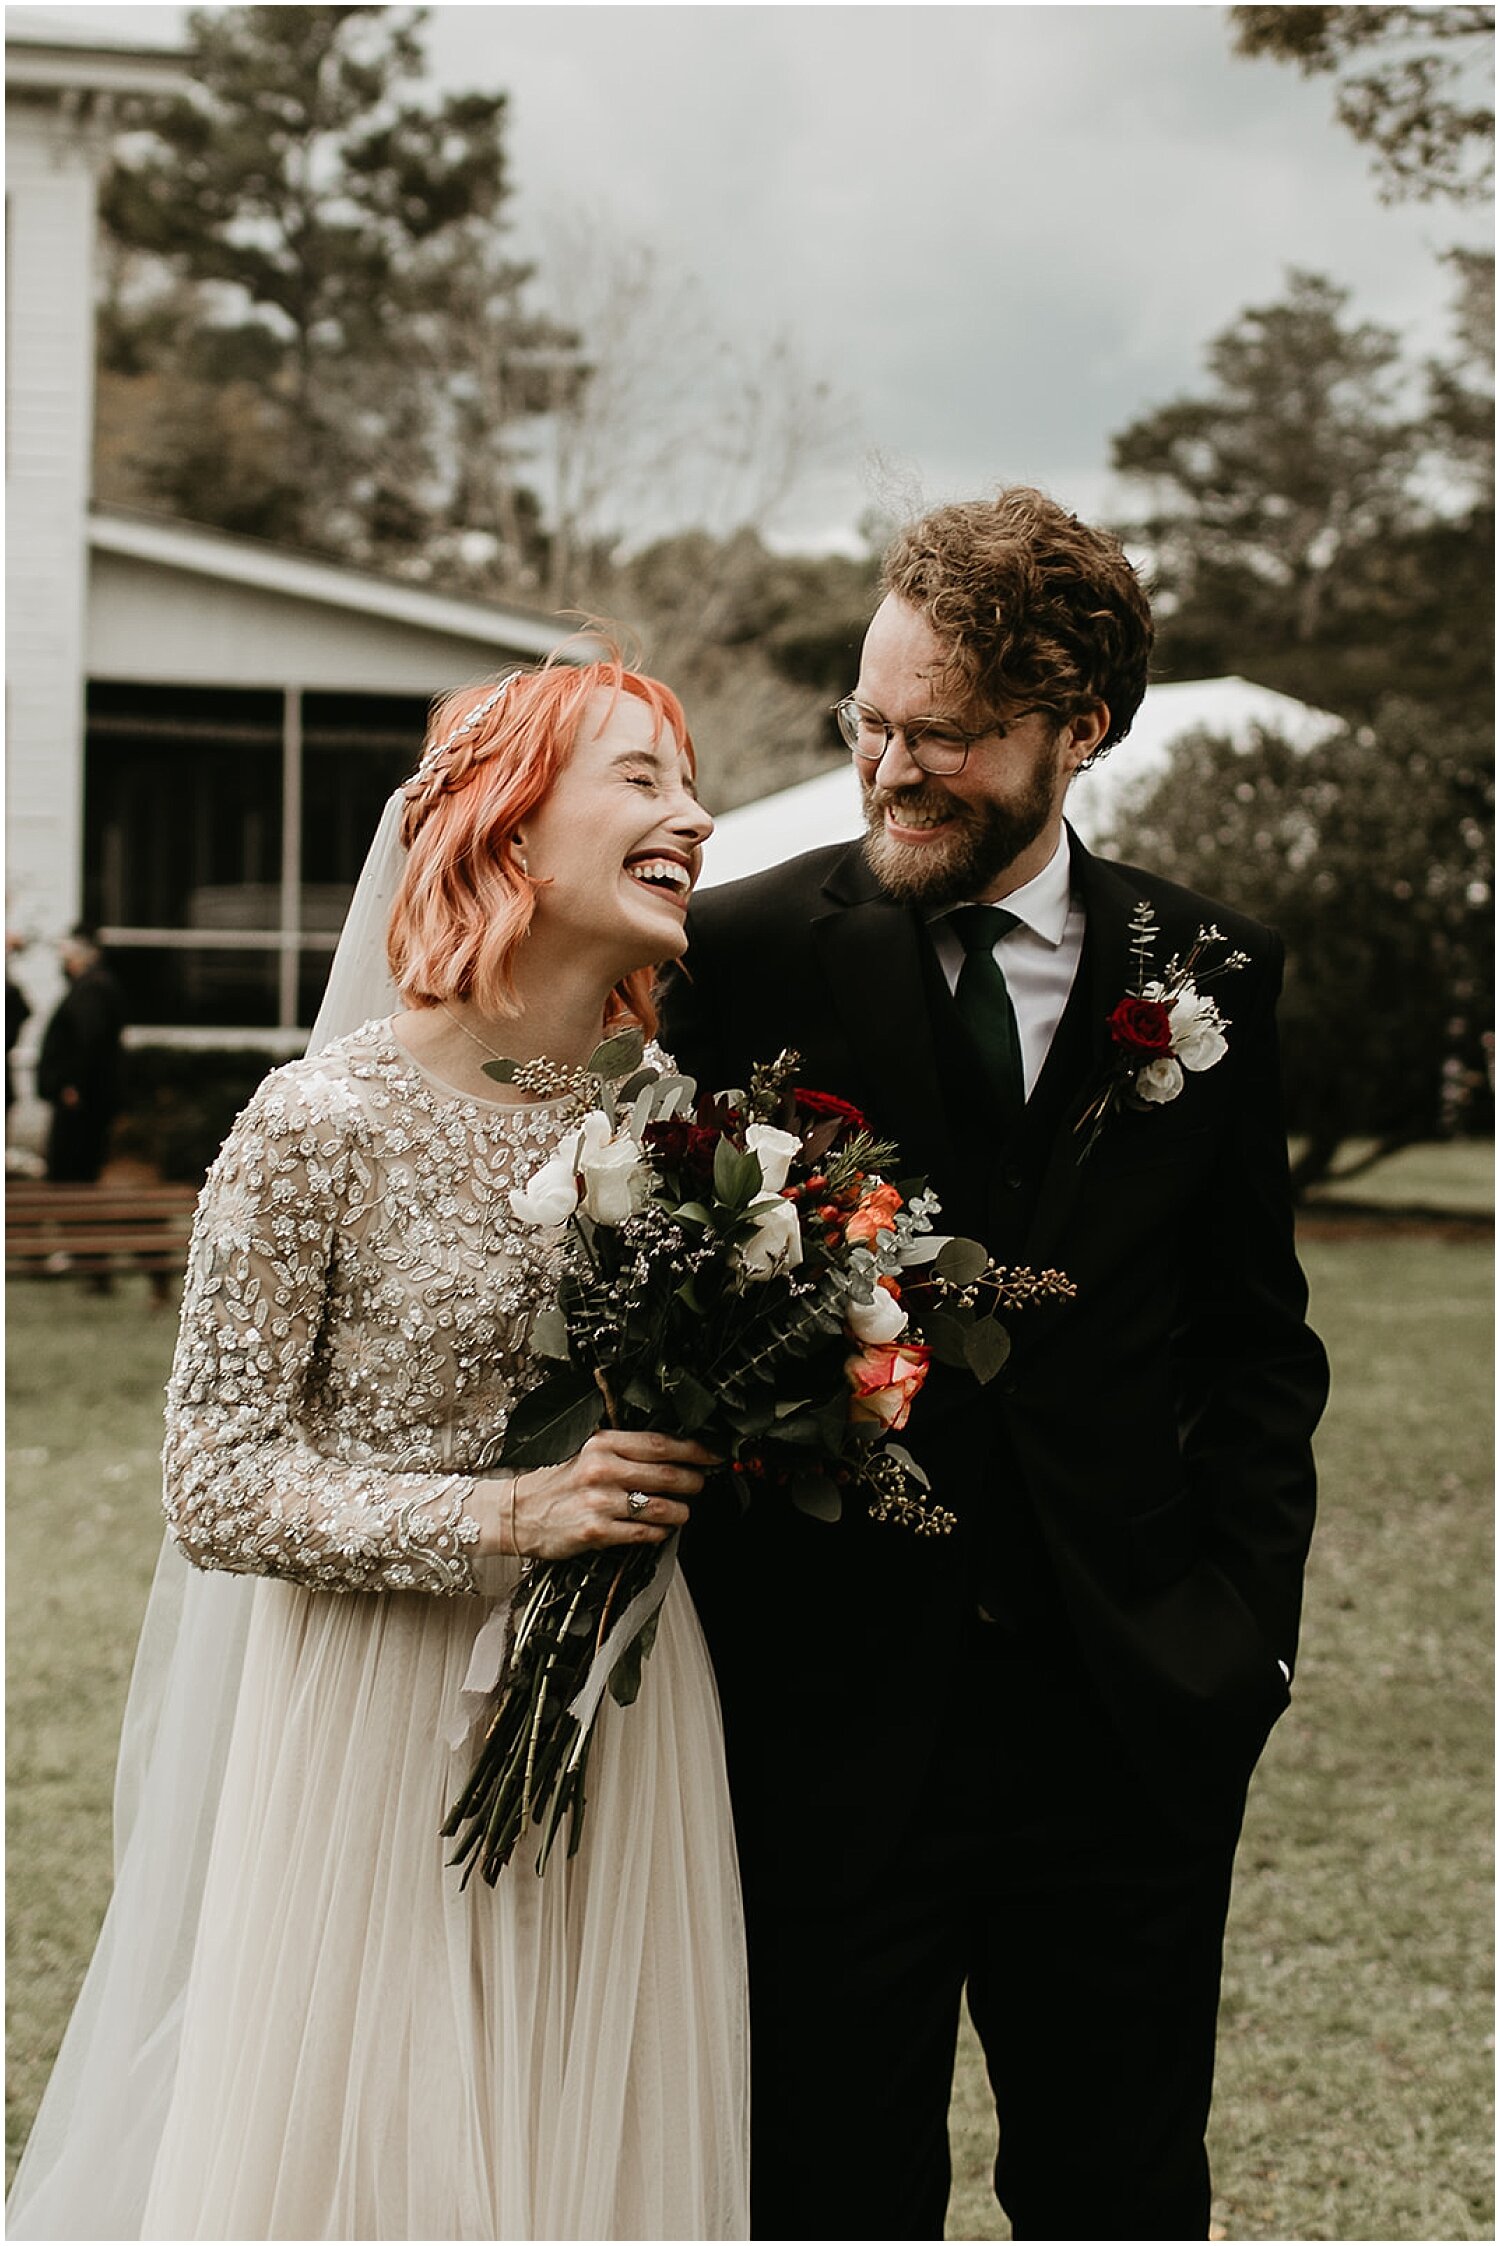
97	1231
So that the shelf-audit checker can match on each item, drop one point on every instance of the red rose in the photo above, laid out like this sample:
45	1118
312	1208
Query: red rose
828	1104
676	1141
1142	1025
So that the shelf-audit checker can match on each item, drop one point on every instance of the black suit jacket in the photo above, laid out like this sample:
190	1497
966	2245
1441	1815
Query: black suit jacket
81	1048
1136	1490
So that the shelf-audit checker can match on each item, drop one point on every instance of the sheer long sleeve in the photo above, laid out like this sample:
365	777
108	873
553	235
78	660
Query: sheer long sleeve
245	1487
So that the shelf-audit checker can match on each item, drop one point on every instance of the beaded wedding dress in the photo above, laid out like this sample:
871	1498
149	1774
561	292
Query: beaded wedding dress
338	2041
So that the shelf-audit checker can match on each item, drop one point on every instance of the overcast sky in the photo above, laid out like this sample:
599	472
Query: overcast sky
1000	232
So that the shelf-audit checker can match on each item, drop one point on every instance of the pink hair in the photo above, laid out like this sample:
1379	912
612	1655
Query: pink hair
465	901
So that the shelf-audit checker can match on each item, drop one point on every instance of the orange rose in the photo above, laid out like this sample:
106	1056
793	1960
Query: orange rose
886	1381
876	1213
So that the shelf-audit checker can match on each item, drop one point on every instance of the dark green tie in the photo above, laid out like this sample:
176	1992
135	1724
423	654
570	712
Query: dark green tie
983	1001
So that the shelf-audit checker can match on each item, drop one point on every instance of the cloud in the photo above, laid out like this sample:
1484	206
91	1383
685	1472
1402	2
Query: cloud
1004	231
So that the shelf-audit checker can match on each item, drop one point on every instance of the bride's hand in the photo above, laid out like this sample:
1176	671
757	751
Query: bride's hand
557	1512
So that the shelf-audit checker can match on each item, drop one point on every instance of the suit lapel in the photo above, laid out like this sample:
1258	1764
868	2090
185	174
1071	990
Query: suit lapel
1104	972
871	949
872	954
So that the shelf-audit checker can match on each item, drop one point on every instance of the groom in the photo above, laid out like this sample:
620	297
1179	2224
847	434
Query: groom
1013	1761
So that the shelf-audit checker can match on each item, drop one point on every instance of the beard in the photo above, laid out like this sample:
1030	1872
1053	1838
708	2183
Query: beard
987	838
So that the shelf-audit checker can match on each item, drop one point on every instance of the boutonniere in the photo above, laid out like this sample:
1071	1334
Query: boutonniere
1165	1028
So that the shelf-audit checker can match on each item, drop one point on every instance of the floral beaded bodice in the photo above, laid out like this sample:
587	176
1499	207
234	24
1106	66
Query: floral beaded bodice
353	1323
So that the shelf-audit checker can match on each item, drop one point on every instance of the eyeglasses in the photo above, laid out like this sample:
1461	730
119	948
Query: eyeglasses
933	745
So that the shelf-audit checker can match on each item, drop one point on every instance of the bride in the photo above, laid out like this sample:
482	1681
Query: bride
297	2024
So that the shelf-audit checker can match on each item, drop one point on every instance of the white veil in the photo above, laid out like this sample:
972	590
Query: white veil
88	2162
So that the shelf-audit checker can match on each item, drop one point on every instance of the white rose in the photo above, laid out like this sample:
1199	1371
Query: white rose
615	1178
774	1150
877	1321
1198	1039
1159	1081
550	1194
775	1244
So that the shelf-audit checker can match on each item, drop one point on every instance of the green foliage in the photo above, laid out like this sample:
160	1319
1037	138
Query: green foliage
306	274
1289	517
1374	858
1422	104
1266	489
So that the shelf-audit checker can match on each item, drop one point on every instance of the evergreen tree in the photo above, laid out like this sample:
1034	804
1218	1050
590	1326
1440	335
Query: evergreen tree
1314	521
280	330
1374	857
1415	85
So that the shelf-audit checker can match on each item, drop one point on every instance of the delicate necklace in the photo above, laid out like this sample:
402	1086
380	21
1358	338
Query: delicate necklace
548	1079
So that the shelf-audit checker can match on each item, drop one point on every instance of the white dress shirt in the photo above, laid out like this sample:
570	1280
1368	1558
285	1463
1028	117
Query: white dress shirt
1038	958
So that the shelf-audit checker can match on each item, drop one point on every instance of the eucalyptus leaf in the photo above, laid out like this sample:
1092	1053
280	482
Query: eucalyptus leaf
833	1421
944	1336
908	1464
640	1112
502	1070
549	1333
618	1056
642	1081
986	1348
673	1092
925	1247
692	1402
814	1493
962	1261
746	1420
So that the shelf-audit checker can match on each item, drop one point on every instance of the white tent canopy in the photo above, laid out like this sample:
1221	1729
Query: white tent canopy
826	808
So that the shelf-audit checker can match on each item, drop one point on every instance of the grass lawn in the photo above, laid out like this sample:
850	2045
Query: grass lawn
1456	1174
1356	2054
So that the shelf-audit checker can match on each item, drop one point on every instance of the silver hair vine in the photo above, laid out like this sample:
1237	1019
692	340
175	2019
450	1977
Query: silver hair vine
466	725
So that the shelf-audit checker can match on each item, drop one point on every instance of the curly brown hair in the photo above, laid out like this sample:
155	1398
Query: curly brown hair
1039	608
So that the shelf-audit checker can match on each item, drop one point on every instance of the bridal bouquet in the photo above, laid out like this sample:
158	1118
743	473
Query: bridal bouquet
739	1269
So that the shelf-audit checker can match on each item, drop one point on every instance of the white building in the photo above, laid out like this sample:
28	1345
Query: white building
202	728
59	97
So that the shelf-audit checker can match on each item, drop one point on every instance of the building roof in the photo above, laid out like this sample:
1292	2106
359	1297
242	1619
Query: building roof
827	807
256	565
54	51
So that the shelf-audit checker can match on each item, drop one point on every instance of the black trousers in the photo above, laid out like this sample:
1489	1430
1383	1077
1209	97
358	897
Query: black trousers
78	1143
1087	1930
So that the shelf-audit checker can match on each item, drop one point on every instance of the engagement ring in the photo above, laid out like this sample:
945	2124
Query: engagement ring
636	1502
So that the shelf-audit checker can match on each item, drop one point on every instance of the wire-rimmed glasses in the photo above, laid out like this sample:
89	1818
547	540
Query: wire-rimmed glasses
934	745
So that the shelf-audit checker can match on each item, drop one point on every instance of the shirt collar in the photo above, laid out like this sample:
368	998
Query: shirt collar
1043	903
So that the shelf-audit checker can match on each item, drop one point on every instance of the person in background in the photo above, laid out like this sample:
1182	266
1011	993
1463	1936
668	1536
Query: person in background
17	1013
79	1067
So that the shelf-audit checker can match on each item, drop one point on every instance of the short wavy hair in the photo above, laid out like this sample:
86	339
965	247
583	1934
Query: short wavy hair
466	901
1038	608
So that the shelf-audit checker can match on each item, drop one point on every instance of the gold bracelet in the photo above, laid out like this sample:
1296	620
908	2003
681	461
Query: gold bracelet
515	1483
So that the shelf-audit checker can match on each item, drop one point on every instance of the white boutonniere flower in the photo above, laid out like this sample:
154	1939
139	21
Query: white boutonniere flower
1165	1029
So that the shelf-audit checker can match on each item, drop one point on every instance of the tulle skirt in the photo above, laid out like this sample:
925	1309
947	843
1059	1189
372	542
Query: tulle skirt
368	2052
